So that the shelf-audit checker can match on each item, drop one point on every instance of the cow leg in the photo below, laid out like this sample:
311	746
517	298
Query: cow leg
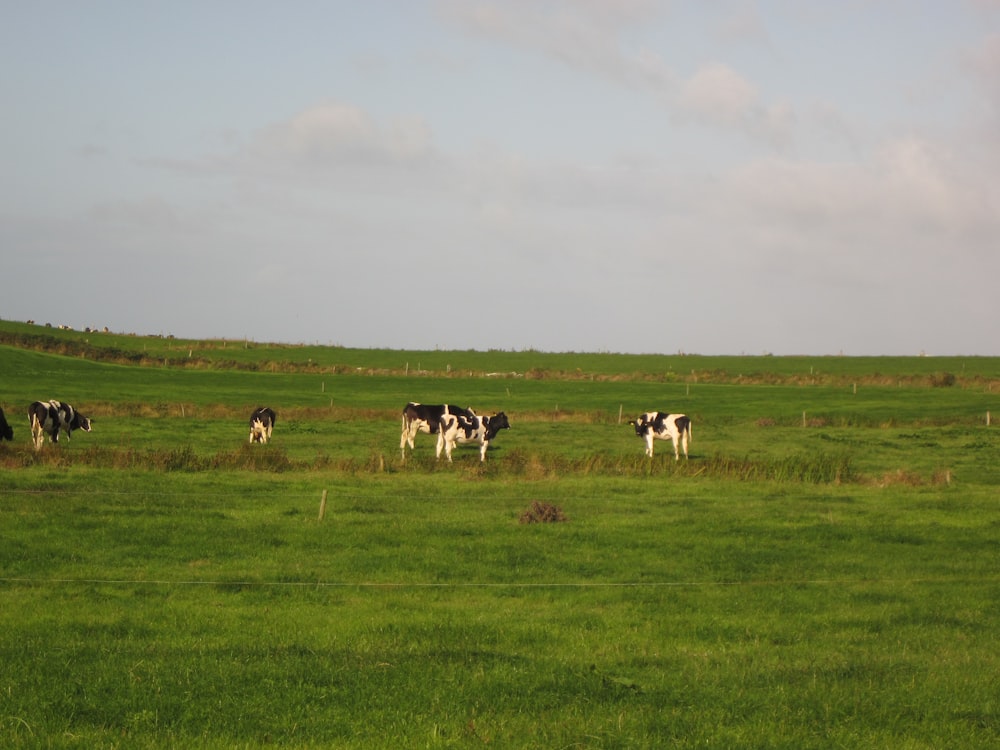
684	443
482	450
409	432
649	443
447	445
676	439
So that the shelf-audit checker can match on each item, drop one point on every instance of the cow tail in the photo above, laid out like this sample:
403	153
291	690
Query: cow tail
690	431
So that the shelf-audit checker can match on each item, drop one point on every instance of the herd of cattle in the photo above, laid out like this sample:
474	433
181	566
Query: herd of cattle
453	425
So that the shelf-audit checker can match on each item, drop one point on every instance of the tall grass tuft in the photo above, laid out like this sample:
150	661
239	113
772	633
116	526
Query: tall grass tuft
817	469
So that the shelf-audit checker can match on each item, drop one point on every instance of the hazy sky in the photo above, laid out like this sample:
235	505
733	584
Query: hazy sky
703	176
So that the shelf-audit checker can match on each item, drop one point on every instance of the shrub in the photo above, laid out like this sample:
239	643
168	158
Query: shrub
942	380
539	512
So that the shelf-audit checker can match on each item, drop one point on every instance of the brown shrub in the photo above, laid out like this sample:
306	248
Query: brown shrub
539	512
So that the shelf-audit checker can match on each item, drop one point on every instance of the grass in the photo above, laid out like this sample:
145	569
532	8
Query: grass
530	364
416	615
802	584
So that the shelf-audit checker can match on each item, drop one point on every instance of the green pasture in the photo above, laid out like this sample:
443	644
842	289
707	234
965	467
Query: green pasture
821	572
676	367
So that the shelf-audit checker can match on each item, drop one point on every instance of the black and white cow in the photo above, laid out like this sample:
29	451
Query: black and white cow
655	425
458	428
261	424
48	417
6	431
426	418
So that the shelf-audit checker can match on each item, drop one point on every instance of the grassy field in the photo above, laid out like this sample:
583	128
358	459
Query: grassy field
821	573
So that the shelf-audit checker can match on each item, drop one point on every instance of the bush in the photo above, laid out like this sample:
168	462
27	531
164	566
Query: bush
942	380
539	512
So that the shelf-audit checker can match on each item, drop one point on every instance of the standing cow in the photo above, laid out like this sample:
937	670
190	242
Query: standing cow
48	417
655	425
6	431
426	418
458	428
261	424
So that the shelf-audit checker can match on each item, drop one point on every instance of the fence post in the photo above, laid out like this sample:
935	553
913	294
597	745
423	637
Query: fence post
322	506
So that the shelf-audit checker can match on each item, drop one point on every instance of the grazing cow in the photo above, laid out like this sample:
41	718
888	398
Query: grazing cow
457	428
48	417
261	423
655	425
426	418
6	431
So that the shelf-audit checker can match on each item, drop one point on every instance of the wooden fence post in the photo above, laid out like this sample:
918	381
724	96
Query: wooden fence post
322	506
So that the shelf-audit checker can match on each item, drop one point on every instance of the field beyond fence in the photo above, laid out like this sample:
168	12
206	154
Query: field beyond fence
820	573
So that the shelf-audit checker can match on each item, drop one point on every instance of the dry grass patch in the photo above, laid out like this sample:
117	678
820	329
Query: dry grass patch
540	512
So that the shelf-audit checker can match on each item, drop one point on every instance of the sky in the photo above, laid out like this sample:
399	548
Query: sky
647	176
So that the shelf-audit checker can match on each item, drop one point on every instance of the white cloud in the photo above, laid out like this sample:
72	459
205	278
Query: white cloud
338	132
983	64
590	37
909	188
585	35
718	95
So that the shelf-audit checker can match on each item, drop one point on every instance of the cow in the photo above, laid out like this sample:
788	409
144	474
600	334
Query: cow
48	417
6	431
261	424
655	425
458	428
426	418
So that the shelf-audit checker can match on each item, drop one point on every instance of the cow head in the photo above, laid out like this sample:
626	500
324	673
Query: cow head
642	424
258	432
82	422
496	423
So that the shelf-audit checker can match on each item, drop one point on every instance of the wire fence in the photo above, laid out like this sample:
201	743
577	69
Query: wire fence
773	583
